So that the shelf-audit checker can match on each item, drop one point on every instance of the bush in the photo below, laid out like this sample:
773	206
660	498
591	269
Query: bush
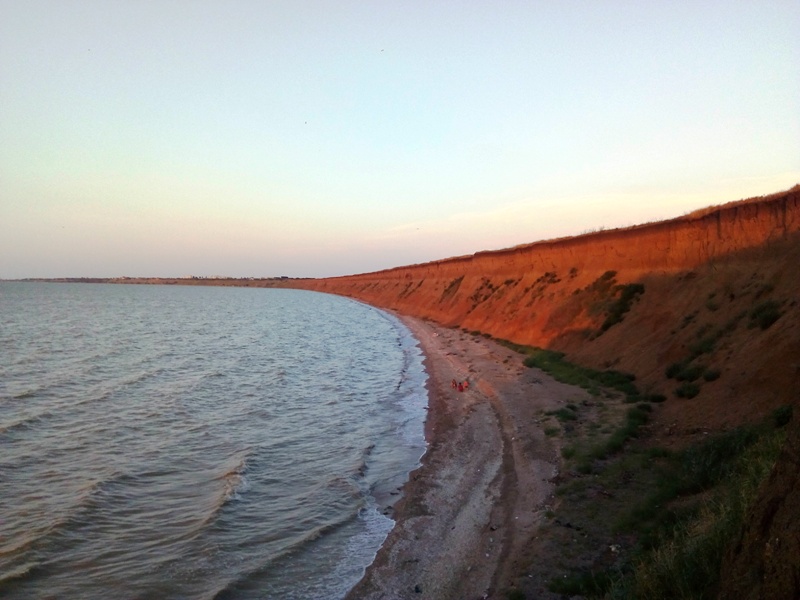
564	414
690	373
705	345
621	305
765	314
711	374
672	371
687	389
782	415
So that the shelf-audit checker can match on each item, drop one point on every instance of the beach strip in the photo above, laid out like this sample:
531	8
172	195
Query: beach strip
467	521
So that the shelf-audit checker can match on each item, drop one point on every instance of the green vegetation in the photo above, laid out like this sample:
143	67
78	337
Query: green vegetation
634	419
484	292
563	414
688	389
765	314
451	289
515	595
686	553
691	507
584	583
690	373
627	294
591	380
594	381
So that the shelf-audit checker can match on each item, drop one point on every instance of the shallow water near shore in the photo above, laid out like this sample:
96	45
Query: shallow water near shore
199	442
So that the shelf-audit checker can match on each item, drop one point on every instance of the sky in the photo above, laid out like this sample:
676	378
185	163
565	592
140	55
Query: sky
322	138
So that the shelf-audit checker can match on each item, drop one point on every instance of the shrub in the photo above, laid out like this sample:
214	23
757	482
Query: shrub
782	415
705	345
672	371
564	414
621	305
687	389
711	374
765	314
690	373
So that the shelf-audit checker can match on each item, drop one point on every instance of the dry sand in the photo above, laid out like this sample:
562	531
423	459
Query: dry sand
467	523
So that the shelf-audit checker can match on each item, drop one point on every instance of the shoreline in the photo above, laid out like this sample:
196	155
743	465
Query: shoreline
467	520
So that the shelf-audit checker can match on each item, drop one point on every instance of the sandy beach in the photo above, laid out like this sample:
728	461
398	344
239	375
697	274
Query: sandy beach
467	522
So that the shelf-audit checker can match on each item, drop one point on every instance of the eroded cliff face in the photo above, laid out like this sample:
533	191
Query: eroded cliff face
524	294
641	300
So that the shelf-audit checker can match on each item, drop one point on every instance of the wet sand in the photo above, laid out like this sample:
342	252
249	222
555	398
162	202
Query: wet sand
467	523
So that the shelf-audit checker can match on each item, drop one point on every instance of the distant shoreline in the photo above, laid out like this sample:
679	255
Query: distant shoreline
202	281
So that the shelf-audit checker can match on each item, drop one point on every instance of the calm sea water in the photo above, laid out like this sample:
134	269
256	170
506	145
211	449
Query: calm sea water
198	442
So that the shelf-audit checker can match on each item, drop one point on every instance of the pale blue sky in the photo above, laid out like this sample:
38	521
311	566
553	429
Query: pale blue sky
260	138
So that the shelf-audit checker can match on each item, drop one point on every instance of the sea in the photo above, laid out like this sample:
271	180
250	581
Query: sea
182	442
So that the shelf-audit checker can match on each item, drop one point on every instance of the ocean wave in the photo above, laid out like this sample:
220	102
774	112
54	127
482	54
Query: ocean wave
55	526
231	485
9	575
234	479
251	579
25	423
29	393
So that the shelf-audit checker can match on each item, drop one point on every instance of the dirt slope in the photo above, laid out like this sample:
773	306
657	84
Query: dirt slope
696	292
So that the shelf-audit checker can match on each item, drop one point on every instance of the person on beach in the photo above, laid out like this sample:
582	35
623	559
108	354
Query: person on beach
453	384
466	384
460	387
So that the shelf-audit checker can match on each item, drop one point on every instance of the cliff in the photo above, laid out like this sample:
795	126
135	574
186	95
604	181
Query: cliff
513	293
638	299
704	311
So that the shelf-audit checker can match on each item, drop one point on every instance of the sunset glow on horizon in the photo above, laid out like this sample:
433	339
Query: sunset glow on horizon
315	139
